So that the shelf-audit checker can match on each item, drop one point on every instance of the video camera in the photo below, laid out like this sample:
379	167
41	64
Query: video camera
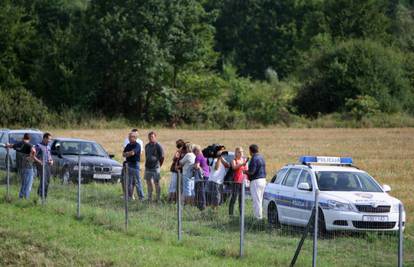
214	151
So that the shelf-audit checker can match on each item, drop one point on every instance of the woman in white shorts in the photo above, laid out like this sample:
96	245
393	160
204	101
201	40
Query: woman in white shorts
187	163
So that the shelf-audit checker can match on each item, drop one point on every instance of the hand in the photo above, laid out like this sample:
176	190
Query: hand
50	162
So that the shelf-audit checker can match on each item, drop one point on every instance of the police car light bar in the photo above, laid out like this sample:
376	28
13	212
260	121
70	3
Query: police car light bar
325	160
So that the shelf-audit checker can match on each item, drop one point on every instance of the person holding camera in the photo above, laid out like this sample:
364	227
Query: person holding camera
216	179
172	189
239	166
257	177
202	172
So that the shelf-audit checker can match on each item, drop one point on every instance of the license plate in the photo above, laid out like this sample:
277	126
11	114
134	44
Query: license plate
374	218
101	176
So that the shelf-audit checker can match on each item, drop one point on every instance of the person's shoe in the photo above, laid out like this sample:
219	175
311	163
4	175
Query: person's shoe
133	197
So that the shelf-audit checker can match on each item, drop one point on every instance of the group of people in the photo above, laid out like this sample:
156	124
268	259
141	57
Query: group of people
202	178
33	160
154	158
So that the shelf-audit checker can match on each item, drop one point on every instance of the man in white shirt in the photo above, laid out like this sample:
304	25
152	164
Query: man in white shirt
126	142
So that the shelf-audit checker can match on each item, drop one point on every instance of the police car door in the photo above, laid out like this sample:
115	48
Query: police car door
303	199
286	198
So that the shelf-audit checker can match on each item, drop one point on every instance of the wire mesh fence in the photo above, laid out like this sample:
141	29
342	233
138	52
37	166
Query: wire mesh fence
217	223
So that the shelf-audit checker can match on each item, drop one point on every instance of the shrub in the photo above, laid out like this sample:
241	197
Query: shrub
18	107
352	68
362	106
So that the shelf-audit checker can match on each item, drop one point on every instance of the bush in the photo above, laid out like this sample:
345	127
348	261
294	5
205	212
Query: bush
352	68
362	106
18	107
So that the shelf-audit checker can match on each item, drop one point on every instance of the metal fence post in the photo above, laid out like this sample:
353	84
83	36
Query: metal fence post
126	195
43	175
315	228
243	193
8	172
179	208
400	236
79	185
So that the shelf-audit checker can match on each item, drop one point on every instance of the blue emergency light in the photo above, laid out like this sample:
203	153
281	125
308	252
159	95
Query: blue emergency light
326	160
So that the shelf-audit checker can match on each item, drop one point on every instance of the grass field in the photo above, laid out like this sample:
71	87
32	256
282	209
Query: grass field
51	236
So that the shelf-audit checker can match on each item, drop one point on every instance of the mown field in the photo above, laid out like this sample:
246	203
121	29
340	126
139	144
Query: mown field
51	236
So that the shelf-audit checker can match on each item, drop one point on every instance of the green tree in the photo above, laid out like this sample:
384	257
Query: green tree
17	34
352	68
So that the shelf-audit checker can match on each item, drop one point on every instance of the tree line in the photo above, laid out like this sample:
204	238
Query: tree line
225	63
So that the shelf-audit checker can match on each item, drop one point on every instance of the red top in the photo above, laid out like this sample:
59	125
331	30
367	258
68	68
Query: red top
238	174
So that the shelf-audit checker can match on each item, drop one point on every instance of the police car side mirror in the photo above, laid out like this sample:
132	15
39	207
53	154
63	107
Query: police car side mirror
386	188
305	187
111	156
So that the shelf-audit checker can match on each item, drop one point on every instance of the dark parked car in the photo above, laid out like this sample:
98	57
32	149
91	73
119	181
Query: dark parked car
96	163
12	137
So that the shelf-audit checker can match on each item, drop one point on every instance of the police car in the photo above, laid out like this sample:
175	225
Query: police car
349	198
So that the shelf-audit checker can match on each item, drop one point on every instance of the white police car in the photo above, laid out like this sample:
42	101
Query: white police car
349	198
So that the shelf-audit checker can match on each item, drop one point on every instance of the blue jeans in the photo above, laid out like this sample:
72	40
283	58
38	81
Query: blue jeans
135	178
27	175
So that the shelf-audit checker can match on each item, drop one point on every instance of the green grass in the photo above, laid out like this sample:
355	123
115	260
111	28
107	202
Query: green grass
51	235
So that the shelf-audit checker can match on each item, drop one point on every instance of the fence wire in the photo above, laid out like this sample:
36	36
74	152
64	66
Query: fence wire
102	203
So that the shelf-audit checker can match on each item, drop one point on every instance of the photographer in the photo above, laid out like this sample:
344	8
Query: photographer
217	173
202	172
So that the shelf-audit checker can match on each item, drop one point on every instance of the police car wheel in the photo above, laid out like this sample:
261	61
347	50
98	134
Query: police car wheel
272	215
321	224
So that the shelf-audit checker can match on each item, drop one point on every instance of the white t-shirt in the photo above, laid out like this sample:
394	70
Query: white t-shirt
218	175
188	164
139	141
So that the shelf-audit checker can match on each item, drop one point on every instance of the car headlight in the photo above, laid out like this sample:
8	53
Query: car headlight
340	206
117	170
395	208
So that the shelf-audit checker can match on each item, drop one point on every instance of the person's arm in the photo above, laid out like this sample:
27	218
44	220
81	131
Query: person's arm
225	163
197	164
237	166
49	155
32	153
39	161
161	153
253	168
126	153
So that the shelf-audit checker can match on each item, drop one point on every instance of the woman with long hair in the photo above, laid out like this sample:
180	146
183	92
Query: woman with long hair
239	166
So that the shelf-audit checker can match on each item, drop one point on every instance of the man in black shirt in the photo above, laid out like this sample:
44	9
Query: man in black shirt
132	153
26	153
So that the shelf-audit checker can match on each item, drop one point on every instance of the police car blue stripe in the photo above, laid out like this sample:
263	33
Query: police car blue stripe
293	202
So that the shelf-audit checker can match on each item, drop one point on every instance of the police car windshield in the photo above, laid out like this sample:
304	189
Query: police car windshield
346	181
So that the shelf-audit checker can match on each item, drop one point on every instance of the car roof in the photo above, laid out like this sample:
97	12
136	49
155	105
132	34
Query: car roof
65	139
334	168
25	131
